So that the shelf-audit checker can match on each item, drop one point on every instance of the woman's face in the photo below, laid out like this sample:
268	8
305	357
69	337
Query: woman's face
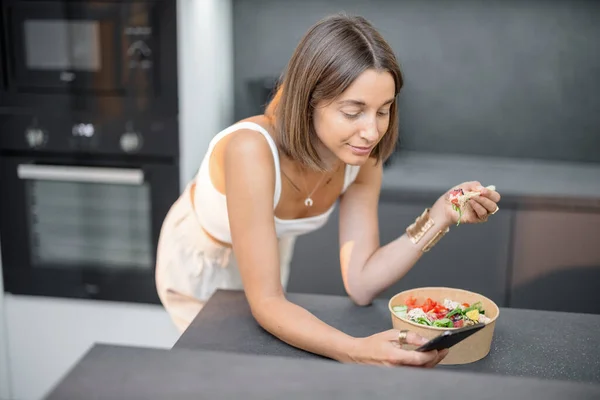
351	125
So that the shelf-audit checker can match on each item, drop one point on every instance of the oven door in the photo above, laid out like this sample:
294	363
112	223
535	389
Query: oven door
66	47
83	231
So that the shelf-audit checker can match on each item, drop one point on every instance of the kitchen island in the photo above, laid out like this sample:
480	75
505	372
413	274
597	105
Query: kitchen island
116	372
224	354
527	343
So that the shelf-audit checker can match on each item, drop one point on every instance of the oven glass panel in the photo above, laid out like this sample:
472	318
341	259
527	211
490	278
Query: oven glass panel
83	224
62	44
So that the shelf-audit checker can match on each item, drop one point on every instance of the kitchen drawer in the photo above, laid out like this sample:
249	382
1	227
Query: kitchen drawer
556	261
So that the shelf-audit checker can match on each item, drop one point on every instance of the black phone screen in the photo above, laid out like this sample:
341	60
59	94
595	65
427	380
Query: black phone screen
450	338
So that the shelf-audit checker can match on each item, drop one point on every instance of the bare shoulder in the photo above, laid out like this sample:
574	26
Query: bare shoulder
251	145
248	148
249	168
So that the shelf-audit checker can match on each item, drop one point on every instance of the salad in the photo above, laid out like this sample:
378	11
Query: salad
448	314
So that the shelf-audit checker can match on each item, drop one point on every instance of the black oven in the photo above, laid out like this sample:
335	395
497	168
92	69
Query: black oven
89	145
3	59
77	54
82	204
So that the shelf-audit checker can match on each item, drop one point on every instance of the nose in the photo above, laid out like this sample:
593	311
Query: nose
370	132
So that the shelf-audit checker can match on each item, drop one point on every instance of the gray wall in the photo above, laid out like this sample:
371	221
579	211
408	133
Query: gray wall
507	78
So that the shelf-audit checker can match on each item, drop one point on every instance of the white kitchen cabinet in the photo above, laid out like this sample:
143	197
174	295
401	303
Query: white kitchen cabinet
47	336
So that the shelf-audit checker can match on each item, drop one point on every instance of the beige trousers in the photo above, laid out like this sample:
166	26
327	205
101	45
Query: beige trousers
190	266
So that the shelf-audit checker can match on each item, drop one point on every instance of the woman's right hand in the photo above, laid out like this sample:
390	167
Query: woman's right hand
385	349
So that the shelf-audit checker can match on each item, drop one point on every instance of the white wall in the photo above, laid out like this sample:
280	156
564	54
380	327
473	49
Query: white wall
205	77
4	373
48	336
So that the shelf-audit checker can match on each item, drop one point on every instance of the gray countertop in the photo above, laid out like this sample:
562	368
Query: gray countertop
115	372
517	180
527	343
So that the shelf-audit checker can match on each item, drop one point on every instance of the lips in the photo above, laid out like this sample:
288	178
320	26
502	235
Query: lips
358	150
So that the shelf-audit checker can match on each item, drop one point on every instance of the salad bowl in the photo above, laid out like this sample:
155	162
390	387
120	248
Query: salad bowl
429	311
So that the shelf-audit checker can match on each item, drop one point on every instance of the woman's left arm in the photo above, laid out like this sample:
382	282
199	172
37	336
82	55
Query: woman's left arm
367	268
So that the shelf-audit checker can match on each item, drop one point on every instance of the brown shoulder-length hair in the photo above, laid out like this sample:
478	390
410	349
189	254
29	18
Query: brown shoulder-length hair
329	57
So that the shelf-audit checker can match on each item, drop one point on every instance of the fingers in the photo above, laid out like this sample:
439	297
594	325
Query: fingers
392	335
433	362
427	359
490	194
481	212
440	356
411	337
415	339
415	358
488	204
476	186
399	356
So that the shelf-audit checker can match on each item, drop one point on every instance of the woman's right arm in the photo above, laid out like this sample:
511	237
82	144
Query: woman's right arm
249	186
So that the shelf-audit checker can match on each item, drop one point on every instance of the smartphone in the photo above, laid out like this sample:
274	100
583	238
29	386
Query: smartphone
450	338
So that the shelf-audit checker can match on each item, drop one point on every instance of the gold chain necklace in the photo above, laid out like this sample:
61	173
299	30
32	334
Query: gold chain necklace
308	202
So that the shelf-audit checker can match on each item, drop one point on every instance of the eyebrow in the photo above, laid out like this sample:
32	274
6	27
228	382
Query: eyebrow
360	103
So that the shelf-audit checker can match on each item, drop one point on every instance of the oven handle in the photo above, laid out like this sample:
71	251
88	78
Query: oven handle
120	176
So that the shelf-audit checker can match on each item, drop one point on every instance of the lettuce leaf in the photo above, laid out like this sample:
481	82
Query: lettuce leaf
443	323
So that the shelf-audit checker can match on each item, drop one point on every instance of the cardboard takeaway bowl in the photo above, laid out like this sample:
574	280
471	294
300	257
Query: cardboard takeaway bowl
473	348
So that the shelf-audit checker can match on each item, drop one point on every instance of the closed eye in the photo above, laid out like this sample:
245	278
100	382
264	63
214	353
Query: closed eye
351	116
356	115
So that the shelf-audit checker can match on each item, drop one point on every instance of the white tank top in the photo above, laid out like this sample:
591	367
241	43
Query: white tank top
211	206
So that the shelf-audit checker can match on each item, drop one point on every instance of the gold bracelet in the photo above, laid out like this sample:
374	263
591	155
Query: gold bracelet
419	228
433	241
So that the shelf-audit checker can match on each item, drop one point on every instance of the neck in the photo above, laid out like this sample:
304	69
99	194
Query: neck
331	161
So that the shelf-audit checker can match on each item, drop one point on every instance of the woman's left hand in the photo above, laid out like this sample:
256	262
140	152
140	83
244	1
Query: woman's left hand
476	210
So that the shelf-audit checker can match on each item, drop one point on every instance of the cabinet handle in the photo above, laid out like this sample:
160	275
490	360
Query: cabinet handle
119	176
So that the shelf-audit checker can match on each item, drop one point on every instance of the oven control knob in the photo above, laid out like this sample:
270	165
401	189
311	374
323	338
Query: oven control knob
131	142
35	137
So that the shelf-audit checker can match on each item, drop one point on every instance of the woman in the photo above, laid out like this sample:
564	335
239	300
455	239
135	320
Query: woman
271	177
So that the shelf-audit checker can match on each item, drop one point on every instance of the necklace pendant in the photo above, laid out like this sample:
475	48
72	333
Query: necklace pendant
308	202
